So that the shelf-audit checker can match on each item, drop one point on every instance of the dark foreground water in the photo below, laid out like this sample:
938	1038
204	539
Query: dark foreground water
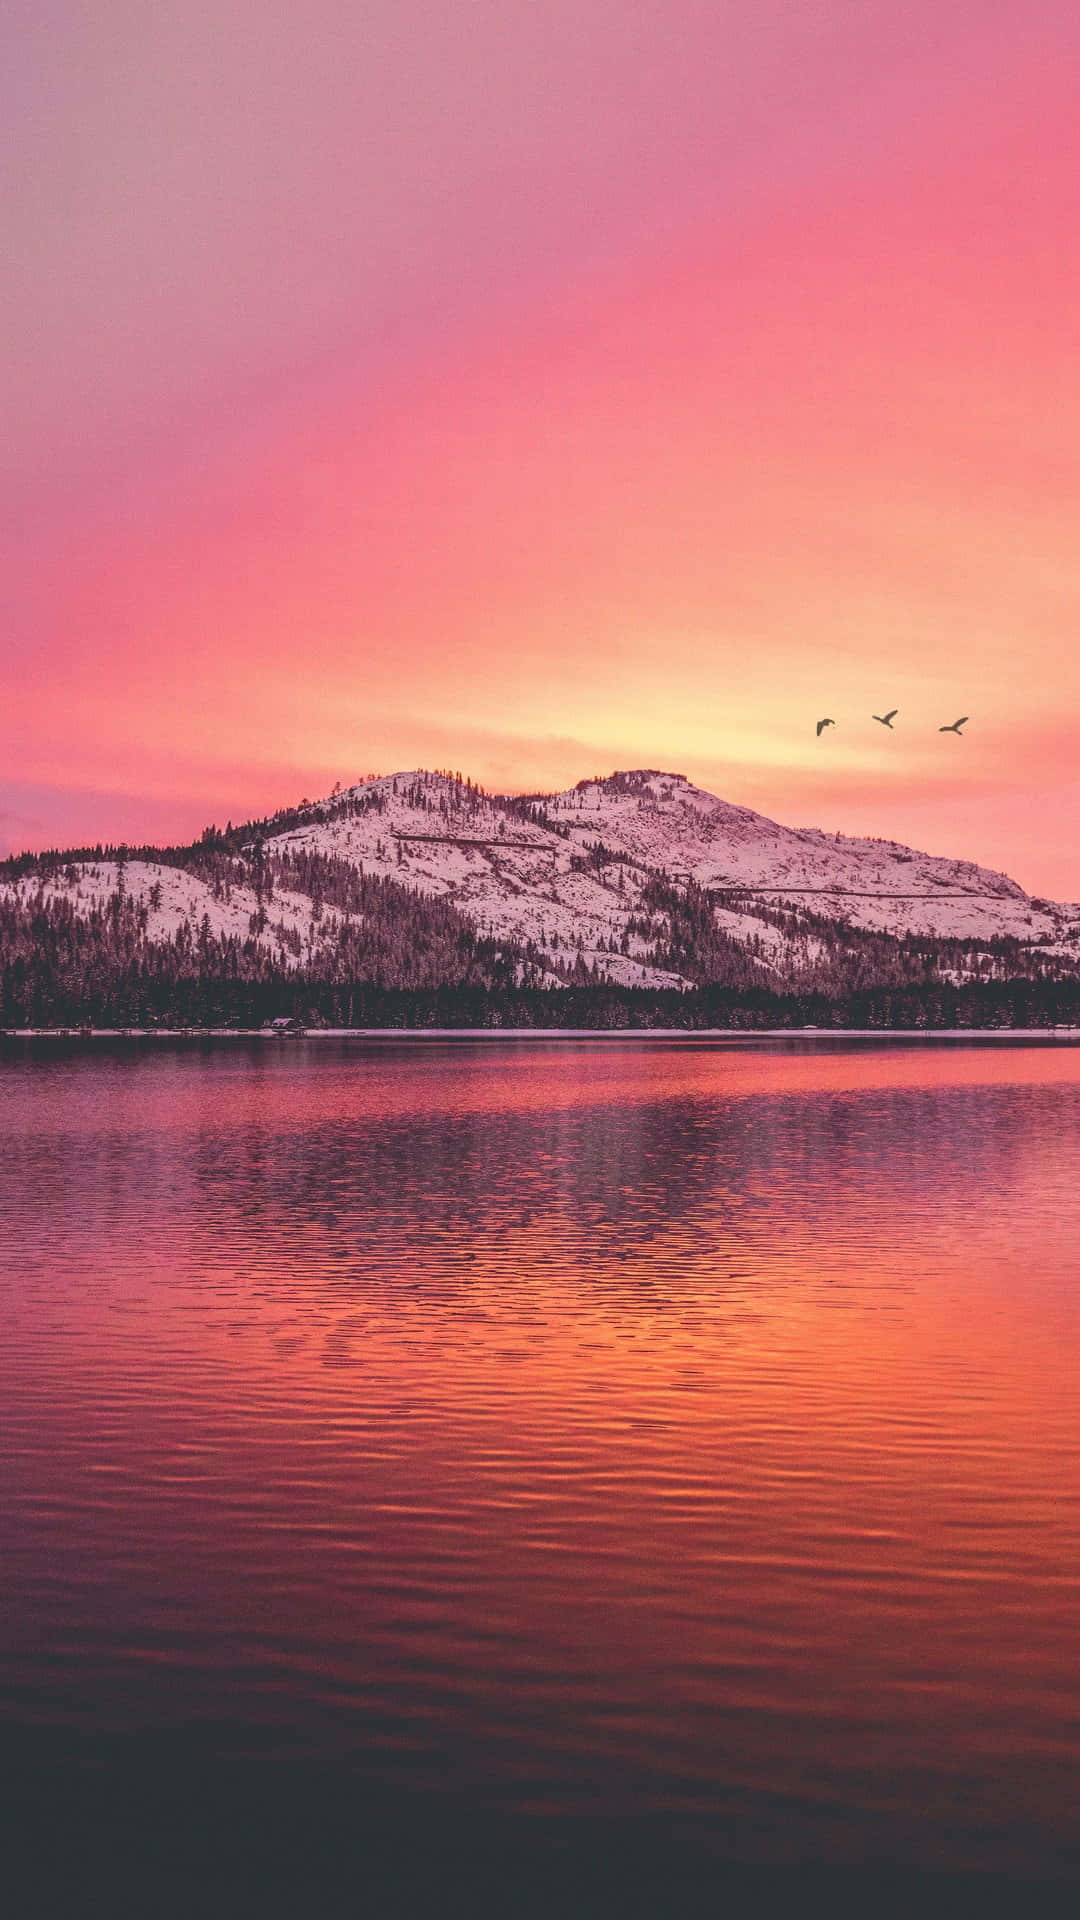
549	1475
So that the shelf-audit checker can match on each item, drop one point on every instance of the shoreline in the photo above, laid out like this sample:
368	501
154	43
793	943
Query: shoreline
1062	1033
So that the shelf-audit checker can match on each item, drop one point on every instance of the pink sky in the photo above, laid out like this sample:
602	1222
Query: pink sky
542	390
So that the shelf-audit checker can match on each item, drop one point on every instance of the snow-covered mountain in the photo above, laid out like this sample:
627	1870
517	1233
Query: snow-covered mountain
167	898
602	881
535	872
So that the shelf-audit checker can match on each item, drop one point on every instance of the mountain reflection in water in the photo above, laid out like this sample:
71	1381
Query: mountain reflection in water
622	1432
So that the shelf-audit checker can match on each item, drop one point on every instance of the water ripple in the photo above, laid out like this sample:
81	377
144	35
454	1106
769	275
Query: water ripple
676	1427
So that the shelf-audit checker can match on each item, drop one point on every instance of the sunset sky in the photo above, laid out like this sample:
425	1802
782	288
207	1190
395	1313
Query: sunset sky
540	387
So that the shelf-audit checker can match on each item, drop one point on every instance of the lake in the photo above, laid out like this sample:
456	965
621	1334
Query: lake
455	1464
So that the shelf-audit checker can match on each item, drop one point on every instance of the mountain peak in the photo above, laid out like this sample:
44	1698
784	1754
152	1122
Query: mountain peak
633	780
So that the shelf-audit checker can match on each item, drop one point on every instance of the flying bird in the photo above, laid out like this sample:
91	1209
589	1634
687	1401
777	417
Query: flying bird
956	725
886	719
824	723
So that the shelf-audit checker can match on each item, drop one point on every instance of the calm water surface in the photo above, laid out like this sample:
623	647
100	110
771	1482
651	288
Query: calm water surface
583	1431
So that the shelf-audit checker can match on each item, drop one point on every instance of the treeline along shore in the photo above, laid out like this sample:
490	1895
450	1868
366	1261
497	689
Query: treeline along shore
194	1004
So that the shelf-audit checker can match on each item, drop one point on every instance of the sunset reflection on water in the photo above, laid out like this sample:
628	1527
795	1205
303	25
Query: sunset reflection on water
583	1428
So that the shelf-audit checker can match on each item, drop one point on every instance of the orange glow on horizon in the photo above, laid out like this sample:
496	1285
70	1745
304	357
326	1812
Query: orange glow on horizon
810	455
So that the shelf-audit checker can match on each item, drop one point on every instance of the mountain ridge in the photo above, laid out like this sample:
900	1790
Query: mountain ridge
634	880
